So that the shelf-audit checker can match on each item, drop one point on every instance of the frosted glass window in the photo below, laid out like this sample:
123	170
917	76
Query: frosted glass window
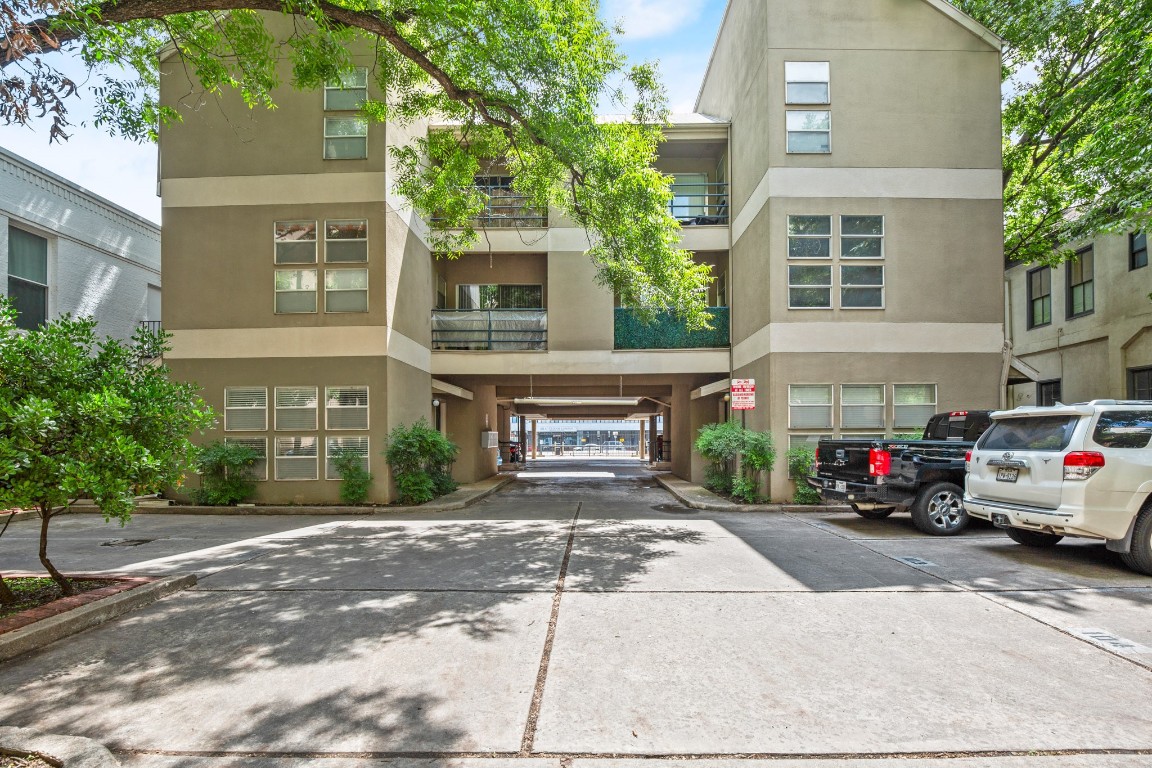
862	406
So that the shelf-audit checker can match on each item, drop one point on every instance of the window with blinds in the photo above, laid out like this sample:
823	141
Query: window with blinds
258	444
346	240
810	406
296	458
296	408
914	405
245	409
295	242
346	408
862	406
337	445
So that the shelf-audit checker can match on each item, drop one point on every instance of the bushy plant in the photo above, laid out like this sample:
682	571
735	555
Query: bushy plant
355	481
801	461
420	457
225	471
721	444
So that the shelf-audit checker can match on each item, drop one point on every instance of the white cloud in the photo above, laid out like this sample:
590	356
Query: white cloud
647	19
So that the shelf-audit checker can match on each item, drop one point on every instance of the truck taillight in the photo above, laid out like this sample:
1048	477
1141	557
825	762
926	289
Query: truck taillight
879	462
1081	465
968	461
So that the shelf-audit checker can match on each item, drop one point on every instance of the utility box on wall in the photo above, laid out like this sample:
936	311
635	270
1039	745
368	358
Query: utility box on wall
489	440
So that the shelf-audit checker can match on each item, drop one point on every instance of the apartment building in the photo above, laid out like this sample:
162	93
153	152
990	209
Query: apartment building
67	250
1083	330
841	176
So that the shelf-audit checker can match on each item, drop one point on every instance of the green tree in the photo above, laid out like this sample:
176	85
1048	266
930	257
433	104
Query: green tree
737	457
522	81
80	417
1077	120
226	475
420	458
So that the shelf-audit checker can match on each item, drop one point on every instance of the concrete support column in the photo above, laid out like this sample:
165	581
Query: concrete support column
641	445
681	431
504	429
651	438
534	424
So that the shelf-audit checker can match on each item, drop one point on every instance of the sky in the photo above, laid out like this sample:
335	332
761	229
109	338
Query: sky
677	33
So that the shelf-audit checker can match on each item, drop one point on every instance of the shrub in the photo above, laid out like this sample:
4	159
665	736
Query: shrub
225	473
420	458
801	460
721	444
355	481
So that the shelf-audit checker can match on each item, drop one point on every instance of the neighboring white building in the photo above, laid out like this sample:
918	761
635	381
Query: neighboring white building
64	249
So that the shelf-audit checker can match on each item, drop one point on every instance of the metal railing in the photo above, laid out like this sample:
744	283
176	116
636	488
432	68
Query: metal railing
495	330
152	326
700	204
667	331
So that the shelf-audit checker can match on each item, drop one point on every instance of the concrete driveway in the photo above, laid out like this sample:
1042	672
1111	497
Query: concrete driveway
582	618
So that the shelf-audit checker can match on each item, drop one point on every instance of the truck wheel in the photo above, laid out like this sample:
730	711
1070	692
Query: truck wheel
1033	538
939	510
876	513
1139	558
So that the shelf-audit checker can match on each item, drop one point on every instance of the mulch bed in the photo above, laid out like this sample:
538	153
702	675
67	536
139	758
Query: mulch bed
40	598
24	761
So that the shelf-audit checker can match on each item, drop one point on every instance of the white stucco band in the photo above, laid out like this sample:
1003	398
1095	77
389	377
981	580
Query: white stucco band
254	343
898	183
864	338
287	189
581	363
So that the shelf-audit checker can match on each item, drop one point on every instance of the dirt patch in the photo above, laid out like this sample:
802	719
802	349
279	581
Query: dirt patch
24	761
35	592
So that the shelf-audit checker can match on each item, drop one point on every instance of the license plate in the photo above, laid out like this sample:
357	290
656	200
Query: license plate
841	485
1007	474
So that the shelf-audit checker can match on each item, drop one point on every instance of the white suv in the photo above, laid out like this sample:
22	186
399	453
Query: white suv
1080	470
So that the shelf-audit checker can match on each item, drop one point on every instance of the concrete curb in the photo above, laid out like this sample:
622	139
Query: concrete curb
462	497
698	497
49	630
67	751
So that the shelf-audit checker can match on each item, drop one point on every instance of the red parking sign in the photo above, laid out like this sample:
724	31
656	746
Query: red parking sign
743	394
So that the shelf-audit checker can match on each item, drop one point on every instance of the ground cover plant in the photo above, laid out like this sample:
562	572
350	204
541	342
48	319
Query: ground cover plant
738	458
802	463
32	592
226	475
420	458
355	481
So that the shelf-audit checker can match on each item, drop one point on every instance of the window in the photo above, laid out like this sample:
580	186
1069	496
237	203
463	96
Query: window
499	297
809	131
441	292
1030	433
862	406
296	458
296	408
913	405
861	237
245	409
1039	297
346	290
28	278
810	406
806	82
337	445
295	291
809	237
1081	284
346	408
1140	383
295	242
346	240
1123	429
689	195
258	444
1137	250
861	287
805	440
348	91
809	287
345	138
1048	392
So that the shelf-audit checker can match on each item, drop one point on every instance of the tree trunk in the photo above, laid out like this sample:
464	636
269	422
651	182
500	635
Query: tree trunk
7	596
65	585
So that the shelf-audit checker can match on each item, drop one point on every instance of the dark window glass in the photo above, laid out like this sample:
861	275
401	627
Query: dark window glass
1123	429
1039	297
1140	383
1137	250
28	278
1048	392
1082	284
1030	433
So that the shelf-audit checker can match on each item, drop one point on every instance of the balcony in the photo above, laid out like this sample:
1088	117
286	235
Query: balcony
490	330
668	332
699	203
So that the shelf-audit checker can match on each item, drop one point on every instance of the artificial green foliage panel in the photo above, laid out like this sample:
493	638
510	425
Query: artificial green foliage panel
666	331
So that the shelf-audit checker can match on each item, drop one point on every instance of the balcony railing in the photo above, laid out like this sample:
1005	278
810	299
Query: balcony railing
698	204
495	330
667	331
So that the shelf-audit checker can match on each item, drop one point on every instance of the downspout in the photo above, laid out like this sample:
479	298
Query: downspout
1006	352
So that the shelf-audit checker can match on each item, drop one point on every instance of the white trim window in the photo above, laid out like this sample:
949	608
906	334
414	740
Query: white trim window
296	458
346	290
861	237
862	406
806	82
809	286
348	91
861	287
295	291
806	440
295	242
346	240
258	444
346	408
28	278
913	405
809	131
809	237
345	138
245	409
810	406
357	444
296	408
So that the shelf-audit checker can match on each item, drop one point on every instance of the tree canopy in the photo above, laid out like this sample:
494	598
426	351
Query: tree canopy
522	81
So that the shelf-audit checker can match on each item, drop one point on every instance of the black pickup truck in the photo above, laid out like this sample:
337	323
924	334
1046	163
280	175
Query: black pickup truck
878	477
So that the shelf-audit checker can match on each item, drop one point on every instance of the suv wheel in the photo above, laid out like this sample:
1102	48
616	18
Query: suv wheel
876	513
1139	558
939	510
1033	538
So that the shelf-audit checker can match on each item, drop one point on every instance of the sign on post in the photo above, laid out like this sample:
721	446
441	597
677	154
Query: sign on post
743	394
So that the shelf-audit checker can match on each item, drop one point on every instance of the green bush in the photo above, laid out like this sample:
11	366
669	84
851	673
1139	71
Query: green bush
355	481
801	461
420	458
721	444
225	471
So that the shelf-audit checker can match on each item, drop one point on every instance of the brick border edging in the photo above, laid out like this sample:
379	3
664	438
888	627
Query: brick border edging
66	751
85	614
56	607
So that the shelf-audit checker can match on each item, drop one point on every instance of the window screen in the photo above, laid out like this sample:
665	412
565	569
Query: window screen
347	408
245	409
